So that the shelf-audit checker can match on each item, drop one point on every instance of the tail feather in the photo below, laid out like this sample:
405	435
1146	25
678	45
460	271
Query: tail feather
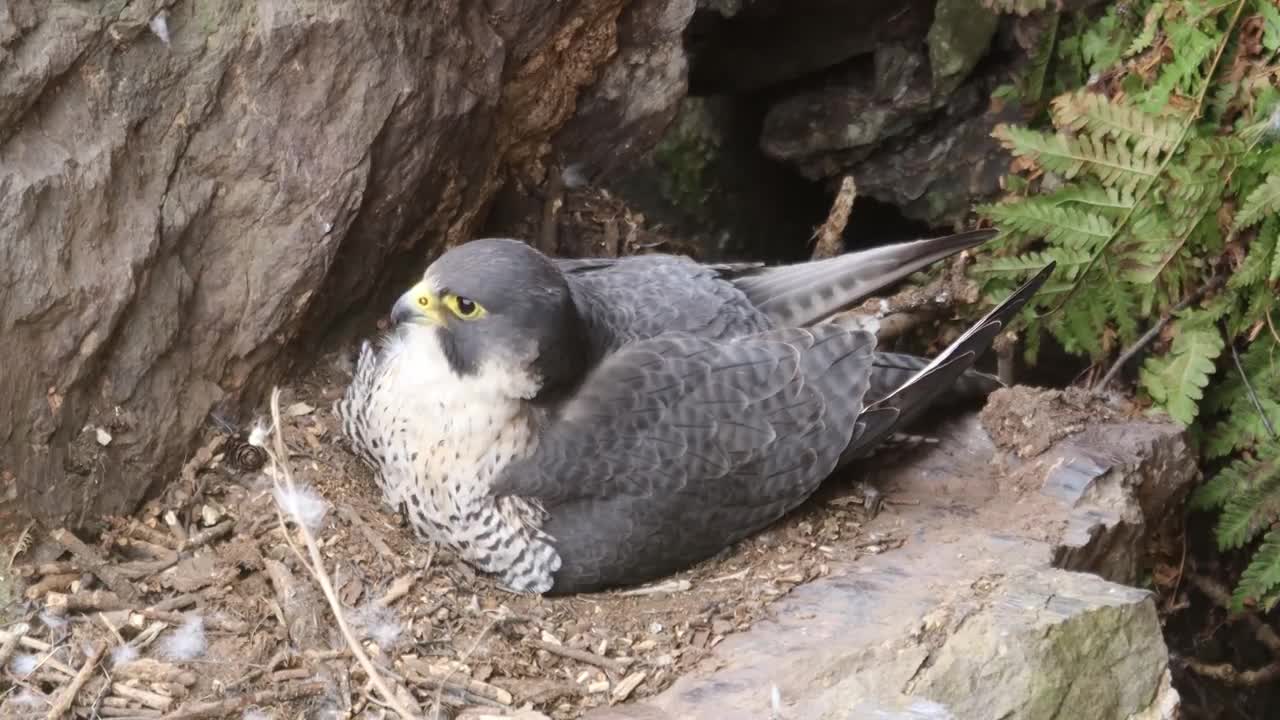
804	293
892	370
897	409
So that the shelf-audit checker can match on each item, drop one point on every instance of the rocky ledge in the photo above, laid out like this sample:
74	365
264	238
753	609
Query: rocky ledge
1012	597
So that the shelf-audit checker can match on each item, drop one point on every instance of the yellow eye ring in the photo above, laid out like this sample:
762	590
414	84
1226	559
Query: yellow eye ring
464	307
423	300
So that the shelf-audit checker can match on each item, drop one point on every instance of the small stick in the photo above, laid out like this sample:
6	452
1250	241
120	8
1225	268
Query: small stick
51	583
444	677
152	550
1213	590
1151	334
176	618
280	459
154	536
10	643
146	697
583	656
128	713
548	240
1248	387
62	603
208	535
400	587
93	561
229	706
831	232
1228	674
177	602
68	695
65	567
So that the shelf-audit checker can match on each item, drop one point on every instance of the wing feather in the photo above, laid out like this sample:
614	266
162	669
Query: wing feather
677	446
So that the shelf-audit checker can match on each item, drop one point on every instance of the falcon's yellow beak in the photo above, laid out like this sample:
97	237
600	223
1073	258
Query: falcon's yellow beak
419	304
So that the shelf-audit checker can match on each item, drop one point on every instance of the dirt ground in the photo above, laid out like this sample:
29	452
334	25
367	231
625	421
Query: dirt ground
207	589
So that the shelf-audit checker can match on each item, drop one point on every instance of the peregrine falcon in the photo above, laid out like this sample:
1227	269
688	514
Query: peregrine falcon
577	425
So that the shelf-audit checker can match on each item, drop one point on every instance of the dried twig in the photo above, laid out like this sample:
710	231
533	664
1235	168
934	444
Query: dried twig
51	568
213	623
51	583
1248	387
1216	592
1227	673
11	641
832	231
208	535
93	561
68	695
582	656
279	460
153	700
1154	331
63	603
403	584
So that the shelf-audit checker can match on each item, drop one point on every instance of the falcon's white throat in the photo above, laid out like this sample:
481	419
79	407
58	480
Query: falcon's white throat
437	440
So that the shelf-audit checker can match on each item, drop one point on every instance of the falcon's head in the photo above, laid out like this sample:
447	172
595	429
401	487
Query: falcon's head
498	303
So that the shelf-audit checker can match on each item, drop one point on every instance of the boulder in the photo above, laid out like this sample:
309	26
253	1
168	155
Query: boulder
192	192
1011	595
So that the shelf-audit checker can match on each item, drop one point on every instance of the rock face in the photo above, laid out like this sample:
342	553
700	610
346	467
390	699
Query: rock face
189	188
996	605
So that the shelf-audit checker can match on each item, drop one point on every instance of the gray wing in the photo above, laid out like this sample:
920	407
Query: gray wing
643	296
804	293
678	446
896	410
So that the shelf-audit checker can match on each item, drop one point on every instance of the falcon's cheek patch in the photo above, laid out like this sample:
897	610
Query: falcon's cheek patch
460	365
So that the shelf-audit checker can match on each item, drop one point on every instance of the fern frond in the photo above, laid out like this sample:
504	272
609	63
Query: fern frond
1031	262
1061	225
1113	163
1018	7
1263	201
1262	575
1252	499
1270	26
1191	47
1150	24
1257	264
1084	111
1177	380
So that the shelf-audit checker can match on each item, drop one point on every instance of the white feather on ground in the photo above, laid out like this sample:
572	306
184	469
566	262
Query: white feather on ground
24	664
302	504
123	655
185	642
379	623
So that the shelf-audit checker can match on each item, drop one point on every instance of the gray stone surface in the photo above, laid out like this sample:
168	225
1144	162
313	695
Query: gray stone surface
972	617
188	190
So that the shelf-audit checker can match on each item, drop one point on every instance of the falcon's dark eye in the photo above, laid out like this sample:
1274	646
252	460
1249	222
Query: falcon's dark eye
466	308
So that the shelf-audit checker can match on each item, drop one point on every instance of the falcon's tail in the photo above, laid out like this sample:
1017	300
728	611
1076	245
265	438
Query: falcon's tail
892	370
804	293
896	410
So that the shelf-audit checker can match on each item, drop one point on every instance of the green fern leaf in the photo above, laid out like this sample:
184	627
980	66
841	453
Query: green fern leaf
1177	380
1263	201
1262	574
1271	26
1084	111
1112	163
1150	23
1018	7
1061	225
